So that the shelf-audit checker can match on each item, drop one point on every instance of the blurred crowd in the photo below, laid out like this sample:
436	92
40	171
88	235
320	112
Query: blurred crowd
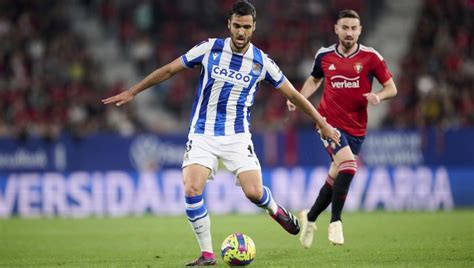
50	84
436	85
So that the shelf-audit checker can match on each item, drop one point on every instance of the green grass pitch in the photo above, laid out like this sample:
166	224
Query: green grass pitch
377	239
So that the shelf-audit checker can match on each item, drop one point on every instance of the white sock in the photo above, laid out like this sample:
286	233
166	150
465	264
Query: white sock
272	207
202	230
200	222
267	201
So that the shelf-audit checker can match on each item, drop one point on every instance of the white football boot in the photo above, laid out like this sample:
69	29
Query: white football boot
307	232
335	235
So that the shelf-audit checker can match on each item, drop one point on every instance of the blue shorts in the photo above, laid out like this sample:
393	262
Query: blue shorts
355	143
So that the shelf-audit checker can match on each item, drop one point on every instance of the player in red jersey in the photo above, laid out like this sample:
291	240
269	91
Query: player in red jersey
348	69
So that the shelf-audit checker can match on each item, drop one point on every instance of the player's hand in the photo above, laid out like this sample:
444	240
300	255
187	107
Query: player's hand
119	99
329	132
373	98
291	106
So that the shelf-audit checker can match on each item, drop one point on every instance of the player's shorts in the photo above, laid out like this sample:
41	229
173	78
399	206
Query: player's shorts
355	143
235	151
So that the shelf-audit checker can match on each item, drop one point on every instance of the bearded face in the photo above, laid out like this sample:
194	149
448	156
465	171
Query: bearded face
241	30
348	31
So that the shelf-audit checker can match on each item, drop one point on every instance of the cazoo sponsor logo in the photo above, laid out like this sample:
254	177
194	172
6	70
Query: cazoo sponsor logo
231	76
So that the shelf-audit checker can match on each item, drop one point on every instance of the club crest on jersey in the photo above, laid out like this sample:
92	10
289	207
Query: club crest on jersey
358	67
256	68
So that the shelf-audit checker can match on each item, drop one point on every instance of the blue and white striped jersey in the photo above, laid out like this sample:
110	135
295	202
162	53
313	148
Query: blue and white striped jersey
227	86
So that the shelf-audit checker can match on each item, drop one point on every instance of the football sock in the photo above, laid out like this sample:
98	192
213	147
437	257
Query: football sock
267	201
200	222
322	202
340	188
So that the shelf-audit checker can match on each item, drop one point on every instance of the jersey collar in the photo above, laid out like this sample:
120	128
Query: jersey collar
350	55
227	43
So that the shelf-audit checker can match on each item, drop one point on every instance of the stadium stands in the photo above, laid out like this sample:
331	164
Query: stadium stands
437	80
51	84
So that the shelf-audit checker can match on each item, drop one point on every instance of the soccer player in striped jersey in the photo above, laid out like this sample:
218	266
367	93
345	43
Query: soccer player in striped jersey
348	69
231	70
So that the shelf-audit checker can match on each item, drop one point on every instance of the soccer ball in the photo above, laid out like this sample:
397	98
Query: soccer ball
238	250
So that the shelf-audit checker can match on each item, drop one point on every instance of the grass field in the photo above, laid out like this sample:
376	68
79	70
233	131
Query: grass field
443	239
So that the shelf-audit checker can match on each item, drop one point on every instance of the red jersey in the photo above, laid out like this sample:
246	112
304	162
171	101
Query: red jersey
346	79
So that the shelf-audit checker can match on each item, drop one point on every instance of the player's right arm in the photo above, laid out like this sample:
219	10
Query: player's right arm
192	58
159	75
309	87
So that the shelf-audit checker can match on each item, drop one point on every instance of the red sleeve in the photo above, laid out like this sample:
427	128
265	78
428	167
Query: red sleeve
381	71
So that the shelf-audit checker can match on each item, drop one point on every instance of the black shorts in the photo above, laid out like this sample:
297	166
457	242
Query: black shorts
355	143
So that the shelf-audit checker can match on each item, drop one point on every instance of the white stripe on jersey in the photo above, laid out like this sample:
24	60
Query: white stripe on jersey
371	49
227	85
322	50
204	78
234	98
215	92
325	49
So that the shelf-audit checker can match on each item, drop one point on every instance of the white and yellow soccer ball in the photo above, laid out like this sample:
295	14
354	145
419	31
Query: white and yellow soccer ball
238	250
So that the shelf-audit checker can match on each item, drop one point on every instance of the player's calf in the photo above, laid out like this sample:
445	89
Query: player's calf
266	201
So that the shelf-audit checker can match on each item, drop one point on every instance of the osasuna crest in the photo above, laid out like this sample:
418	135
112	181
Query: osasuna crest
358	67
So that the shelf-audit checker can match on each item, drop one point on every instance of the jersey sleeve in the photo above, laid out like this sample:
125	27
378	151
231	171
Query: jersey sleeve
195	55
317	70
381	71
273	73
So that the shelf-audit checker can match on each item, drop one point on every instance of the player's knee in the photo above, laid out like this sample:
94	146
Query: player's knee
254	194
192	190
330	180
349	167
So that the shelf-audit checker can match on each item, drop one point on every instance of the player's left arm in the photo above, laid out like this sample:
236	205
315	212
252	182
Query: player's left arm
383	75
388	91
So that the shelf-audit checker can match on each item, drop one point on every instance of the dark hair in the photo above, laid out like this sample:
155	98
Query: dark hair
243	8
348	13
